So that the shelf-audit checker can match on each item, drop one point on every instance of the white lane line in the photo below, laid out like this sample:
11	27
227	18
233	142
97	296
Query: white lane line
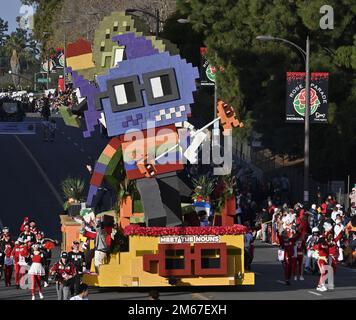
317	294
200	296
62	132
41	171
280	281
81	150
76	144
69	138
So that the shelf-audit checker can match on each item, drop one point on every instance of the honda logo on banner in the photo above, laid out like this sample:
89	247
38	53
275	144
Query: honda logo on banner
296	98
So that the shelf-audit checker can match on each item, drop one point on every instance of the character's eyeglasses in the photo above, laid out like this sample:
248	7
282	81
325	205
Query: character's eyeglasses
125	93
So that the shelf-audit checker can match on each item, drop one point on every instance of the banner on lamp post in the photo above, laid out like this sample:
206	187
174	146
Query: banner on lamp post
295	100
207	71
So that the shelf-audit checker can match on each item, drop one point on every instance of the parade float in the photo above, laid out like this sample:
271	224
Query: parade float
141	91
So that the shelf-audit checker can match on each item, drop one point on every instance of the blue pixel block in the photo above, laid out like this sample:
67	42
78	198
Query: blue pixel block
185	75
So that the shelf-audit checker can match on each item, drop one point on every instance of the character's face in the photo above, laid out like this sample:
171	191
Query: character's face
157	88
27	228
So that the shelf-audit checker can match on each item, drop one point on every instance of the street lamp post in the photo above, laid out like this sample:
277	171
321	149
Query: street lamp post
306	56
91	14
216	124
48	71
65	51
156	16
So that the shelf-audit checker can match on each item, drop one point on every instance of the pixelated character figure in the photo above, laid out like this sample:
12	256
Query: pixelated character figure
142	98
168	83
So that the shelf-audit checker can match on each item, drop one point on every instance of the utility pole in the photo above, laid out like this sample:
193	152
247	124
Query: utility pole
306	124
48	73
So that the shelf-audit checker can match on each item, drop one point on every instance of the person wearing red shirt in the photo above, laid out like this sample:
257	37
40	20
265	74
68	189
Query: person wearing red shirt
8	261
271	208
36	271
16	256
24	257
287	244
64	271
333	248
298	257
28	236
25	221
322	248
324	207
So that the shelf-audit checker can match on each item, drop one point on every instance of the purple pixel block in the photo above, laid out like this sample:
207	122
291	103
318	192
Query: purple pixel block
89	91
136	47
100	168
91	194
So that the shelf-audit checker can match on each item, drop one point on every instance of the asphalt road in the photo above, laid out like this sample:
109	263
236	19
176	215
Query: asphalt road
32	170
269	285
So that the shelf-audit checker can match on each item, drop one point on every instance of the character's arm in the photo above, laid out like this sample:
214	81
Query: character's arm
100	168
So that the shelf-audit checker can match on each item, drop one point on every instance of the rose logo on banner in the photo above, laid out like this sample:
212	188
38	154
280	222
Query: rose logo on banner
210	73
299	102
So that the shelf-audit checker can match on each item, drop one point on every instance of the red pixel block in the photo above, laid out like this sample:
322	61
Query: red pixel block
96	179
222	271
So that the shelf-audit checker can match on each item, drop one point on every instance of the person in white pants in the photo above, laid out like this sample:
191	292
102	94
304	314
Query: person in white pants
311	241
337	229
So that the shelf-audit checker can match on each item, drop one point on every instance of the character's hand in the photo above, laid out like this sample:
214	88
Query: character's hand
147	167
227	117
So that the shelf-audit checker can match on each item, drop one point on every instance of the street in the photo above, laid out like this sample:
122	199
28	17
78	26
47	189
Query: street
269	286
41	166
32	170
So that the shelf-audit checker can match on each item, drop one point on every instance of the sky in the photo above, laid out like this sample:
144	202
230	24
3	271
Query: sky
9	10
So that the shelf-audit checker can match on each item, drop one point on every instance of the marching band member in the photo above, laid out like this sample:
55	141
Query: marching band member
322	249
311	241
298	259
36	271
16	256
287	244
8	260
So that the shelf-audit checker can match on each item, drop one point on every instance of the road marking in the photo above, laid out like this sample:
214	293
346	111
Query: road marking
76	144
200	296
41	171
69	138
81	150
317	294
258	273
280	281
62	132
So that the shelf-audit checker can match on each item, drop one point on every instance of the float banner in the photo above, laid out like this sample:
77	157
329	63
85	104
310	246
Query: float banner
295	102
190	239
207	71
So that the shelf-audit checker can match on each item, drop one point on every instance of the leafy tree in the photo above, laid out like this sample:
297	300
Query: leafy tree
253	80
4	27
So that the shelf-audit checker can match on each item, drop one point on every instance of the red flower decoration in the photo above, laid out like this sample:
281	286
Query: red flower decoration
134	230
313	97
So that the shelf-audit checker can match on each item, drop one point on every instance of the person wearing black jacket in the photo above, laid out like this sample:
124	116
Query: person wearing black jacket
46	111
266	218
78	259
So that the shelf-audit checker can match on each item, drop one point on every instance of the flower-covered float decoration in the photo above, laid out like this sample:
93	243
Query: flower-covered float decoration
177	256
